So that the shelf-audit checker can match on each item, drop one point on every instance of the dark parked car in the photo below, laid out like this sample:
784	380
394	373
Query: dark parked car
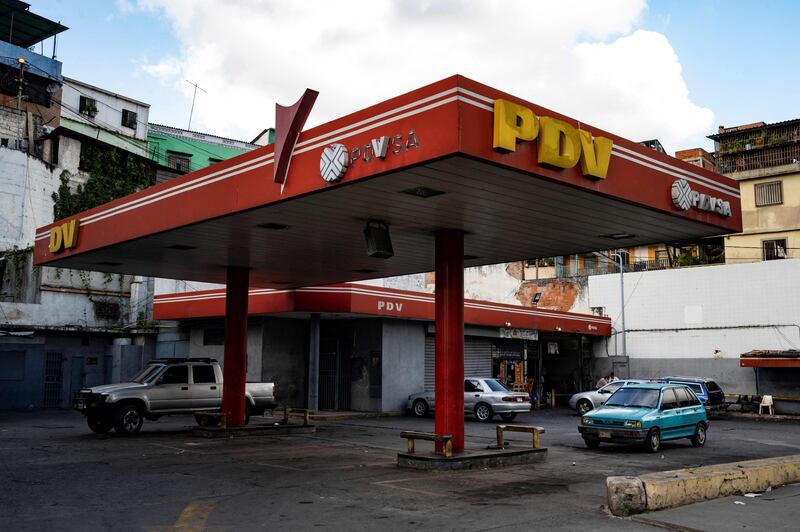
708	391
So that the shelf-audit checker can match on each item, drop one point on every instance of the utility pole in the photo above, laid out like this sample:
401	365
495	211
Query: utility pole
622	299
21	62
194	95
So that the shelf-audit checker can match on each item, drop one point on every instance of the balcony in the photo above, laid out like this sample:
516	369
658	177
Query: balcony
37	65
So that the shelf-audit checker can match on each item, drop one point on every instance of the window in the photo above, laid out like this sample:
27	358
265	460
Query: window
684	397
611	388
495	385
472	386
179	161
637	397
87	106
203	374
774	249
176	375
669	401
769	193
129	119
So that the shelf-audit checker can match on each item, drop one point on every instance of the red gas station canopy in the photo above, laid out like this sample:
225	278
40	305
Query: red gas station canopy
420	162
353	300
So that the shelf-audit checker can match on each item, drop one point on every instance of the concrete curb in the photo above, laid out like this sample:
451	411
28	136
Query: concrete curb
749	416
667	489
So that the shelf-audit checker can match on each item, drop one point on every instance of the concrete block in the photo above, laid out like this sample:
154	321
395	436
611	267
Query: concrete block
626	495
668	489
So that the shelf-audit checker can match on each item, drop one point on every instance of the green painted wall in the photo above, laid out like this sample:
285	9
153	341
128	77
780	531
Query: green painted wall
202	152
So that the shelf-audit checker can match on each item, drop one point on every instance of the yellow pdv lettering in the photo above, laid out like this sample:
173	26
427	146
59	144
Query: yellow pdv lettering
513	123
64	236
559	143
56	239
595	155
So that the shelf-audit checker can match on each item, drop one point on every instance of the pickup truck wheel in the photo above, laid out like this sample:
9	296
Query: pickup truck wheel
100	425
128	420
592	443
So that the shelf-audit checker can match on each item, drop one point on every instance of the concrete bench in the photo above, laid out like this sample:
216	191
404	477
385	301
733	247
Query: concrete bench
296	412
410	436
534	431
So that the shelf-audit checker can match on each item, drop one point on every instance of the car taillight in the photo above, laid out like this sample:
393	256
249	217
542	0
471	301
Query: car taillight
515	398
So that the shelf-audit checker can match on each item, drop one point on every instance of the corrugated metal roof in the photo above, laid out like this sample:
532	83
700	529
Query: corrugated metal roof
129	144
22	28
735	129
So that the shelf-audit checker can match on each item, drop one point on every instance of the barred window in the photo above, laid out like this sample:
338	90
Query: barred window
769	193
774	249
179	161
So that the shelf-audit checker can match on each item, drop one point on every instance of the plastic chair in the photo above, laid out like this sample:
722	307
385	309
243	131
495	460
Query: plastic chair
766	402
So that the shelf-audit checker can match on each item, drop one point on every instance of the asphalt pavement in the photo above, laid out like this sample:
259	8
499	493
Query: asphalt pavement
57	475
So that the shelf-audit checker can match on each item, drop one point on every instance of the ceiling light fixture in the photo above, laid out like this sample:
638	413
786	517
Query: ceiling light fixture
423	192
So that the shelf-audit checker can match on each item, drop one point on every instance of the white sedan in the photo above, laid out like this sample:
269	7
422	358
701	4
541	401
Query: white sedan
483	396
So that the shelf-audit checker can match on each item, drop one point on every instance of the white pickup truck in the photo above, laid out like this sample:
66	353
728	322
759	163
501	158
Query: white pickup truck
165	386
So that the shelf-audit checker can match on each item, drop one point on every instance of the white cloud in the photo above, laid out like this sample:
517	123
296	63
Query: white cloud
166	70
584	59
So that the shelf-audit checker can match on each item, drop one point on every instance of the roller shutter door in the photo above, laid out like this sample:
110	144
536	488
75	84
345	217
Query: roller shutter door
477	358
430	362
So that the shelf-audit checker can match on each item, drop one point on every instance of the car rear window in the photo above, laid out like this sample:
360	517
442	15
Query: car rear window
495	386
712	387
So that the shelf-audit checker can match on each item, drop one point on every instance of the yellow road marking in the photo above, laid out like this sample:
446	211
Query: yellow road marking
194	516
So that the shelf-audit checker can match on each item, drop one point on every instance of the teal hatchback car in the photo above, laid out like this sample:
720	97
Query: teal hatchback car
647	414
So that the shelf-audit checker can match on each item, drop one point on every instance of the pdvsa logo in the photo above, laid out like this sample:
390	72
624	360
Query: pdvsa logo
336	158
684	198
333	163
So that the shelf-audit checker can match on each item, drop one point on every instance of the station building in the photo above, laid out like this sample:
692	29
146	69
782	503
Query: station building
377	345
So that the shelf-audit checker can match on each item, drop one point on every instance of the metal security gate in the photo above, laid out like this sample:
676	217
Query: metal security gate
430	362
53	377
334	377
477	358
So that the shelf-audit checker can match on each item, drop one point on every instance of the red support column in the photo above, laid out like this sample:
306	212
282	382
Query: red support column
450	337
235	368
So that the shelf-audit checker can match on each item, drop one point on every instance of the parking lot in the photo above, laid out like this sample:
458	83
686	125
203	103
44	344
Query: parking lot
58	475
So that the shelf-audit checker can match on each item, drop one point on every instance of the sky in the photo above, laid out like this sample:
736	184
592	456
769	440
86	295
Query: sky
666	69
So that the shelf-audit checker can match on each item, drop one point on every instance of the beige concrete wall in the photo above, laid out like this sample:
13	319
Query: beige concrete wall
747	248
766	223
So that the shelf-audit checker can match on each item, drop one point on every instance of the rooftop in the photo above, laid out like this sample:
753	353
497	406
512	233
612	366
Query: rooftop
747	127
22	28
198	135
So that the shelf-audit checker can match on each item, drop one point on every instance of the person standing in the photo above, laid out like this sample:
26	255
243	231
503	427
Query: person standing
602	382
612	378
